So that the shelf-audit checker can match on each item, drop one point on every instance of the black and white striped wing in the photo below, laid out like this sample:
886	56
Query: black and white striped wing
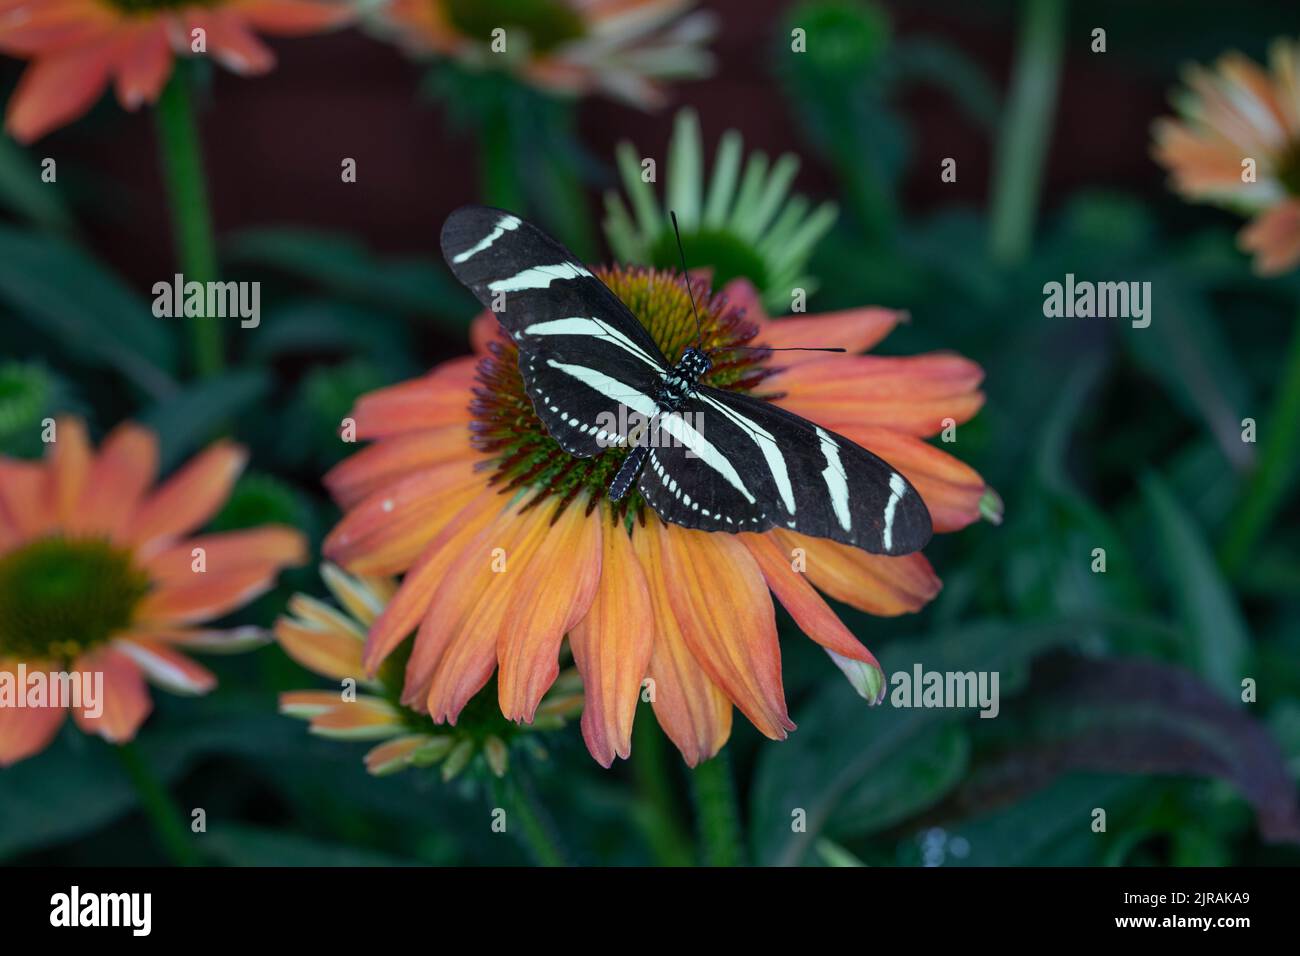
581	352
753	466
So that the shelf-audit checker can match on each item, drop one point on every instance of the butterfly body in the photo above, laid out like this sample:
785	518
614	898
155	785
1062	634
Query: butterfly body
724	460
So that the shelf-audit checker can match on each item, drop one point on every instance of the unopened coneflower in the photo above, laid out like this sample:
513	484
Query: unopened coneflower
741	220
103	574
508	545
328	640
624	49
1236	144
78	48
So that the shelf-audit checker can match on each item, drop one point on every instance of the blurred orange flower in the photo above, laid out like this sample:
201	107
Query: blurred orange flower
495	583
78	47
1237	145
617	47
99	574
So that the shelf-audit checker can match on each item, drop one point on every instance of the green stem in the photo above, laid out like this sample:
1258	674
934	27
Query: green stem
526	819
717	813
162	811
196	254
1022	145
1266	488
500	173
656	808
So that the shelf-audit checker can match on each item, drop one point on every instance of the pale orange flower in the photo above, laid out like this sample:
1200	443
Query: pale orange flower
329	641
621	48
1237	145
78	47
495	582
101	574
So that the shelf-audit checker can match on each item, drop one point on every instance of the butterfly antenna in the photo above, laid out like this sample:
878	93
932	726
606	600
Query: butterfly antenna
699	335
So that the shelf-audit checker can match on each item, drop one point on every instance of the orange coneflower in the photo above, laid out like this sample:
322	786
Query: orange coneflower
78	47
495	582
1238	145
617	47
329	641
101	575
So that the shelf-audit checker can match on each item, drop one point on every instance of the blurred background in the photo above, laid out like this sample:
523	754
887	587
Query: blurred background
1121	690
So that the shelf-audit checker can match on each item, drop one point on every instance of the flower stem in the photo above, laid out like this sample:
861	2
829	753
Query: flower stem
1265	489
182	160
1022	145
718	815
655	808
526	819
165	816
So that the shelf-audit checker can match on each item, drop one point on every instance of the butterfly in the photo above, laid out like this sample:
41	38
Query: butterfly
723	460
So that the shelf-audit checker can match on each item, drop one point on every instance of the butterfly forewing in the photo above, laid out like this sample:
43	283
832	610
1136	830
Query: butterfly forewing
753	466
582	354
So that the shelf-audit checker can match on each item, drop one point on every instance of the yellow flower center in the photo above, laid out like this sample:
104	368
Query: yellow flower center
546	23
527	456
60	596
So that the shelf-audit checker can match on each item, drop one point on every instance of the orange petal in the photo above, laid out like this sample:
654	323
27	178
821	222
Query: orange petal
25	731
267	549
457	641
440	398
612	647
551	595
167	668
412	600
143	65
70	458
726	616
692	710
204	597
330	652
913	394
126	700
121	473
190	497
875	583
386	532
950	488
1274	239
392	459
309	703
855	330
366	718
231	43
23	486
394	754
815	617
56	89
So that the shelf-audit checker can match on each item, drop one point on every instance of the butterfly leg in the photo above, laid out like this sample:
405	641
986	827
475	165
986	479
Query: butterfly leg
627	473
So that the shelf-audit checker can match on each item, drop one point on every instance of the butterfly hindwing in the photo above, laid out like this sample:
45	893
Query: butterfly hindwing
582	354
753	466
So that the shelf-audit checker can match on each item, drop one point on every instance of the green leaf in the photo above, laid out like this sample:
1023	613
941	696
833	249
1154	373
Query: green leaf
66	294
259	846
198	413
23	192
1218	644
343	265
842	743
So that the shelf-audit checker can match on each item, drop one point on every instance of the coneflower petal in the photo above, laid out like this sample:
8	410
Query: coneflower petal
27	730
188	498
123	471
267	548
56	89
388	461
70	459
877	584
205	597
612	647
690	707
126	701
439	398
552	596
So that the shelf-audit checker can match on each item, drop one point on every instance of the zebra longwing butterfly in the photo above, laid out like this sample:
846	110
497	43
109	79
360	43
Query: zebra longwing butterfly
750	467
